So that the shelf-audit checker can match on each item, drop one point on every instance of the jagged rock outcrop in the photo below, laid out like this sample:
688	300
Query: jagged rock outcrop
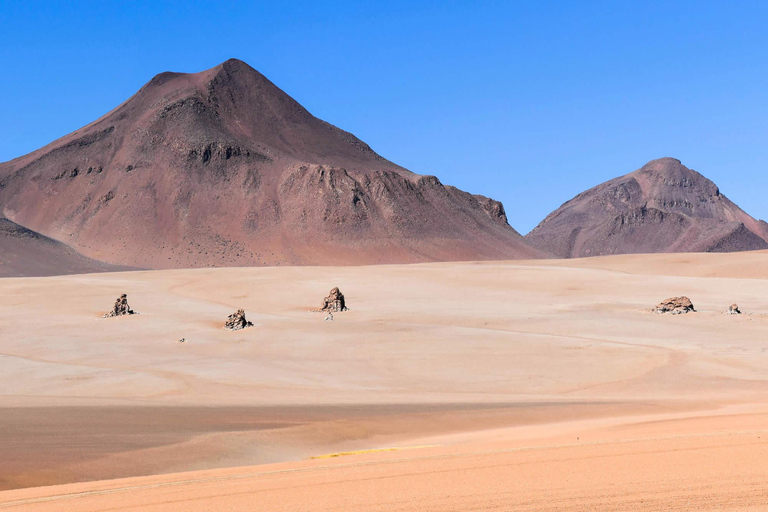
675	306
334	302
237	321
733	309
229	170
120	308
661	207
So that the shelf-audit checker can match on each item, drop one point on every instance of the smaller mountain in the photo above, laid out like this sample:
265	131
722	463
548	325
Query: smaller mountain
26	253
661	207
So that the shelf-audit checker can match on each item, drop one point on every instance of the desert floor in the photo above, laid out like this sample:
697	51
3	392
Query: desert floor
541	385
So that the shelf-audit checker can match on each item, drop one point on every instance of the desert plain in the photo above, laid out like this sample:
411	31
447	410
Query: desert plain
519	385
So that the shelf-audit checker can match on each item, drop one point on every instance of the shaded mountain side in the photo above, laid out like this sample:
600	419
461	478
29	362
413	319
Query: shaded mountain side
223	168
25	253
661	207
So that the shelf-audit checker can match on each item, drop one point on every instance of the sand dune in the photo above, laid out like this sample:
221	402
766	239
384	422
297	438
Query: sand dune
540	385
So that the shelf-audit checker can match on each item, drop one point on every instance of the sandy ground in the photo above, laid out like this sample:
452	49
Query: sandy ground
501	386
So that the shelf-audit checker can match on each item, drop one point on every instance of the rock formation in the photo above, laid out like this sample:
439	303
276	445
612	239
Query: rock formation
675	306
237	321
334	302
120	308
733	309
661	207
231	171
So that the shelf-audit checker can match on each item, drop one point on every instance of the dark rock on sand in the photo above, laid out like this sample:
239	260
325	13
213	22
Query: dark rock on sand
237	321
334	302
120	308
675	306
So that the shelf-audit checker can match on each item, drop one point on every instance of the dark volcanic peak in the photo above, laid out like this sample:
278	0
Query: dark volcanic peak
222	167
661	207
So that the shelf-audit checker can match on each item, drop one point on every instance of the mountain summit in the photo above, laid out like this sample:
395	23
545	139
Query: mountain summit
223	168
661	207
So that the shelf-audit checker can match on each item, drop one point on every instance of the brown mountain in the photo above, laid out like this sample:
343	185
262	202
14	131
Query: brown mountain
24	253
222	167
661	207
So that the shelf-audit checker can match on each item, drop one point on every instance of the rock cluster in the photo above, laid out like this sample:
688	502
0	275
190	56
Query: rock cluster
237	321
733	309
334	302
675	306
120	308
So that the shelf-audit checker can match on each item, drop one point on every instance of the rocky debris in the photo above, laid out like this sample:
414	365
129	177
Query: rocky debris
120	308
183	340
733	309
334	302
237	321
675	306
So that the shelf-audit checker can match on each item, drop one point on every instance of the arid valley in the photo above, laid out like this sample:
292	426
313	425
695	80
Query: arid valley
383	256
525	385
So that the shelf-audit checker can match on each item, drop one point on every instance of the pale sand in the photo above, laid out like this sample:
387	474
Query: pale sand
500	366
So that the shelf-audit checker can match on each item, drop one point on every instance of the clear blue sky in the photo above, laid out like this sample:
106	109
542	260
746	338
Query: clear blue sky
527	102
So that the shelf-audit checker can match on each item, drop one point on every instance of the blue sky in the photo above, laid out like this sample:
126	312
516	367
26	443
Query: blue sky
527	102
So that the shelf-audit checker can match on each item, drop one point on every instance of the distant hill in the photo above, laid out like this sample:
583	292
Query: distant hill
24	253
661	207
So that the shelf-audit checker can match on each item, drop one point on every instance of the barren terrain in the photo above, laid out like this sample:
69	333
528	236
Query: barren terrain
527	385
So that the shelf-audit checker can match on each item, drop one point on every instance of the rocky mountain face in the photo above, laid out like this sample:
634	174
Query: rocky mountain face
661	207
223	168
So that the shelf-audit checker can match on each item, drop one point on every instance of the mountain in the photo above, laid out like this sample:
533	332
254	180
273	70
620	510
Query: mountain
661	207
222	168
24	253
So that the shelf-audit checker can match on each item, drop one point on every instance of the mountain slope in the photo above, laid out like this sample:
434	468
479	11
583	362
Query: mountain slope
223	168
661	207
24	253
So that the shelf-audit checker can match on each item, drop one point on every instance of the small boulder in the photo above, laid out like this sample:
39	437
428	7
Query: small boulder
237	321
733	309
120	308
675	306
334	302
